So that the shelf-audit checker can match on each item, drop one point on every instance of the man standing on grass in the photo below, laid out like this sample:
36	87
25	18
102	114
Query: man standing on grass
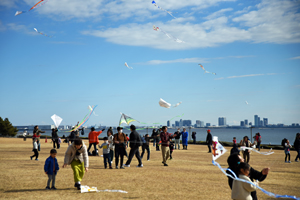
177	138
165	138
209	141
135	143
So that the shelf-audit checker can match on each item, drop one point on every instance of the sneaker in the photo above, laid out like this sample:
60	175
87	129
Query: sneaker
140	165
165	164
30	157
296	160
170	158
122	167
111	162
149	160
126	165
37	159
286	161
78	187
47	188
53	188
117	167
289	162
110	167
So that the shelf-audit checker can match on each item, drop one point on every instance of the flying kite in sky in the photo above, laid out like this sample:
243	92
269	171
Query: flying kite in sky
126	119
85	119
165	104
177	104
128	66
246	102
42	33
91	109
41	2
206	71
56	119
170	13
167	34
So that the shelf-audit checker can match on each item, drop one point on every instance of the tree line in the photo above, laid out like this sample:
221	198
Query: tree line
7	129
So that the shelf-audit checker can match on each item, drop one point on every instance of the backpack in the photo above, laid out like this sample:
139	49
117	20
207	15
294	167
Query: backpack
283	142
259	139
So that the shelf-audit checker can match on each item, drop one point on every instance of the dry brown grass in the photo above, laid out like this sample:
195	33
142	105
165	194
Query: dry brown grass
190	175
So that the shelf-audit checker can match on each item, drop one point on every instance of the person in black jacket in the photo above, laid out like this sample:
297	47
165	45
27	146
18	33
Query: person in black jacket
158	138
177	138
209	141
234	160
135	143
194	137
55	138
297	146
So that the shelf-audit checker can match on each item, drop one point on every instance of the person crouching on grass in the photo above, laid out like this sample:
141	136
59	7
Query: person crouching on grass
77	156
106	152
51	167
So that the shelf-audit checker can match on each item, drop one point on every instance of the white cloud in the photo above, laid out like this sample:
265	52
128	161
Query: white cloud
2	27
218	13
182	60
248	75
295	58
8	3
22	28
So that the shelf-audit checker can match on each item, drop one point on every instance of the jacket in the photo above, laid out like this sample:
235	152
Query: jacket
70	154
135	139
105	147
121	138
165	138
185	136
242	190
49	163
37	134
297	144
54	135
209	139
178	135
243	143
93	136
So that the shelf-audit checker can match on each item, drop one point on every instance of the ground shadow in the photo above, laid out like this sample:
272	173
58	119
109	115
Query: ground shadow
131	197
34	190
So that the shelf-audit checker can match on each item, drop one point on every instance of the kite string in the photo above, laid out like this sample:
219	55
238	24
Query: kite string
234	177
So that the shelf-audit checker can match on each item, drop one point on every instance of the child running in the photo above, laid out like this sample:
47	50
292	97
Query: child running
106	152
35	150
287	151
51	167
242	190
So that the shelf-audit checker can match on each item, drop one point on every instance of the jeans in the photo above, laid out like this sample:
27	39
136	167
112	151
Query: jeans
39	146
157	144
154	142
51	177
106	157
258	146
298	155
194	140
119	151
90	145
177	142
146	147
134	151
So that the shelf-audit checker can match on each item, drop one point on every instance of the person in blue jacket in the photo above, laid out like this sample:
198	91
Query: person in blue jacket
185	136
51	167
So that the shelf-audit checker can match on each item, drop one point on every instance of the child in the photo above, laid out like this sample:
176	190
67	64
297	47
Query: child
145	146
242	190
234	140
235	147
35	150
51	167
287	151
171	146
106	154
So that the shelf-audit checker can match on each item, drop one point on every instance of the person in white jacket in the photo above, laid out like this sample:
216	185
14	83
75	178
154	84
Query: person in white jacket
77	156
242	190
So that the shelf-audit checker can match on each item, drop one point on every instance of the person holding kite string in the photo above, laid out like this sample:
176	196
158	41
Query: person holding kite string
120	145
77	156
165	139
93	139
55	138
36	134
135	143
246	142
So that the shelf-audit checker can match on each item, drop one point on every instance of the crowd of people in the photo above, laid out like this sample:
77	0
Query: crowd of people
115	146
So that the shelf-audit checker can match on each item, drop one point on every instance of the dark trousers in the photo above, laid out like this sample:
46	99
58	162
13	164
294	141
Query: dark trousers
194	140
157	145
246	156
209	148
119	152
171	151
134	151
258	146
287	155
24	138
111	154
298	155
90	145
55	141
36	154
184	147
106	157
146	147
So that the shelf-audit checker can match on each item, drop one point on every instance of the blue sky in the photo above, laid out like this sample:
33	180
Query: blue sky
252	46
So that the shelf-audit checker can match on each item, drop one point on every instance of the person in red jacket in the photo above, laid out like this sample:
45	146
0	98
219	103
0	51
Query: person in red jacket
93	139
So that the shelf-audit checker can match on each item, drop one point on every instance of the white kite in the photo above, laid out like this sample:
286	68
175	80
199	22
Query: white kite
128	66
177	104
168	34
163	103
85	188
56	119
243	148
217	149
91	109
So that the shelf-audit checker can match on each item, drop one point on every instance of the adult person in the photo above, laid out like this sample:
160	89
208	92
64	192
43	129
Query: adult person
94	140
297	146
157	139
77	156
185	136
246	142
154	136
165	139
37	134
145	146
234	160
72	136
135	143
177	138
120	146
24	135
209	140
194	137
257	139
111	144
55	138
110	130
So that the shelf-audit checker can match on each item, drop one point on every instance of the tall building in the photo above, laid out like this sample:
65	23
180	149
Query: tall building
180	123
265	121
198	123
261	123
246	122
187	123
256	120
222	121
201	123
207	124
168	124
242	123
177	123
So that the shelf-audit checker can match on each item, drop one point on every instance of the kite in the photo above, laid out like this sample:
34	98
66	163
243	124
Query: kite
85	188
126	119
206	71
167	34
91	109
56	119
128	66
170	13
165	104
85	119
246	102
243	148
41	2
42	33
217	149
177	104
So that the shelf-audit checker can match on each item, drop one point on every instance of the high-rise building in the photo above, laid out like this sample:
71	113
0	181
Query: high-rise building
246	122
242	123
198	123
261	123
177	123
201	123
256	121
187	123
265	121
168	123
222	121
180	123
250	123
207	124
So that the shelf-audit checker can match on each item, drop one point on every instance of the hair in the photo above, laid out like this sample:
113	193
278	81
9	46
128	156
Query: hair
105	138
154	130
92	129
53	151
244	166
78	141
34	139
233	162
234	137
132	127
146	135
258	134
246	137
163	128
35	127
109	131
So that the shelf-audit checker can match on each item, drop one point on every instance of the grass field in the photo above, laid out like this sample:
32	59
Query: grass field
190	175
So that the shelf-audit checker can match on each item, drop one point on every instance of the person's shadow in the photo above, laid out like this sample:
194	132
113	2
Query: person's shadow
35	190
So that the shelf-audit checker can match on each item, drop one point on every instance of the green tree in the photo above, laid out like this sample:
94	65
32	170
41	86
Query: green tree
7	129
